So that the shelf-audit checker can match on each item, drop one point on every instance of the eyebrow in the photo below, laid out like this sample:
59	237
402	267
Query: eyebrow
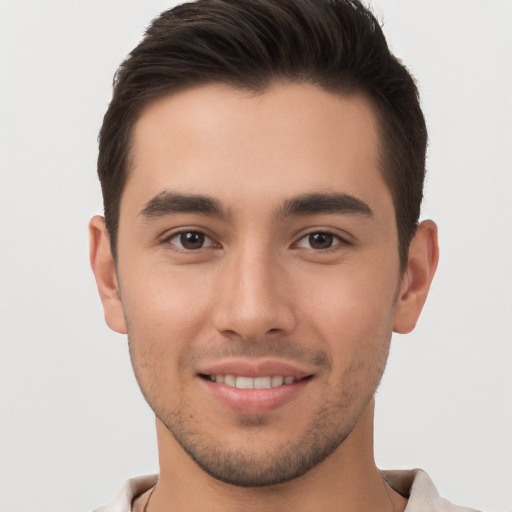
331	203
166	203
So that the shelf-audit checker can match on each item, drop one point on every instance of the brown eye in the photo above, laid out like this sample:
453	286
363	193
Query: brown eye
191	240
319	240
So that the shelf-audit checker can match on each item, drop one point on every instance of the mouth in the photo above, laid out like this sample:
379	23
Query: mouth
246	382
255	387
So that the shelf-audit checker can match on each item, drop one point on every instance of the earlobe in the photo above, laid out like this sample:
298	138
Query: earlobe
421	267
104	269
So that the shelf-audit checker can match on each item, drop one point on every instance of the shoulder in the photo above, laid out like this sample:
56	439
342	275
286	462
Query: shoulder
131	489
421	492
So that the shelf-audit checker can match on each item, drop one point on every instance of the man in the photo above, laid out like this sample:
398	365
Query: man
262	166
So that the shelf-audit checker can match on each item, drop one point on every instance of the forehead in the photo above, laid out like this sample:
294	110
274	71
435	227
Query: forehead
233	144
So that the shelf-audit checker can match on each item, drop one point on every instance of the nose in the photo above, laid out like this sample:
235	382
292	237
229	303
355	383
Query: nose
255	300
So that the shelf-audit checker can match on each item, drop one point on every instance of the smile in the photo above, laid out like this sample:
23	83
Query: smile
254	395
242	382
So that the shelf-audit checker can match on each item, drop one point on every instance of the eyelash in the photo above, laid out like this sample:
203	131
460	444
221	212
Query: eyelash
180	234
334	240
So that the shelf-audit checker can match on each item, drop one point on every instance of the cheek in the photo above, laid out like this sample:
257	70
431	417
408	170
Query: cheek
165	297
352	296
353	311
162	326
165	312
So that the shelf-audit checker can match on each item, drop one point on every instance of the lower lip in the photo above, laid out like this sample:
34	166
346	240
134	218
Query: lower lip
255	401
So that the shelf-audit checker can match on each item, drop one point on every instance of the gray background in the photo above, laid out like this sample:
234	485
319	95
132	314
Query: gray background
73	423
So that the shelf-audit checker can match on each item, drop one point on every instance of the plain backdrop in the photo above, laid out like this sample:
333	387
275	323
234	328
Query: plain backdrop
73	422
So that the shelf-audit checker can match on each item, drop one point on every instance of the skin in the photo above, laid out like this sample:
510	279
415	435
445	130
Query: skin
261	289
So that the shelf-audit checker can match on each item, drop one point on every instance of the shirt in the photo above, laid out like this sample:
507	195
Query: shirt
413	484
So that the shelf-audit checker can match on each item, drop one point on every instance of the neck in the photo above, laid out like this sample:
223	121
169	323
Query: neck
345	481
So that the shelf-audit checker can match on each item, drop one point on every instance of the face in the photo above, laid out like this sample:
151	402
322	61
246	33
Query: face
258	272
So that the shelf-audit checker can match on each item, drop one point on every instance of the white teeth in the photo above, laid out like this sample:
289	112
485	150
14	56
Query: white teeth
243	382
230	380
262	382
277	381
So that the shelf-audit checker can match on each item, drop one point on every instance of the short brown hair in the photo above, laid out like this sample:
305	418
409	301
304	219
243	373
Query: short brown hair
337	45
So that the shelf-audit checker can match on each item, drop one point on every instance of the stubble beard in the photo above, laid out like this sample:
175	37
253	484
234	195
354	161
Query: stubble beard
331	426
252	469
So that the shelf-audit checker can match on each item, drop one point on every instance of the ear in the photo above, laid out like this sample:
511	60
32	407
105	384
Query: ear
104	269
416	279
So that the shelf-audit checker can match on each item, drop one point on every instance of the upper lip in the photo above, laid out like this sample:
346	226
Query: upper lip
254	368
